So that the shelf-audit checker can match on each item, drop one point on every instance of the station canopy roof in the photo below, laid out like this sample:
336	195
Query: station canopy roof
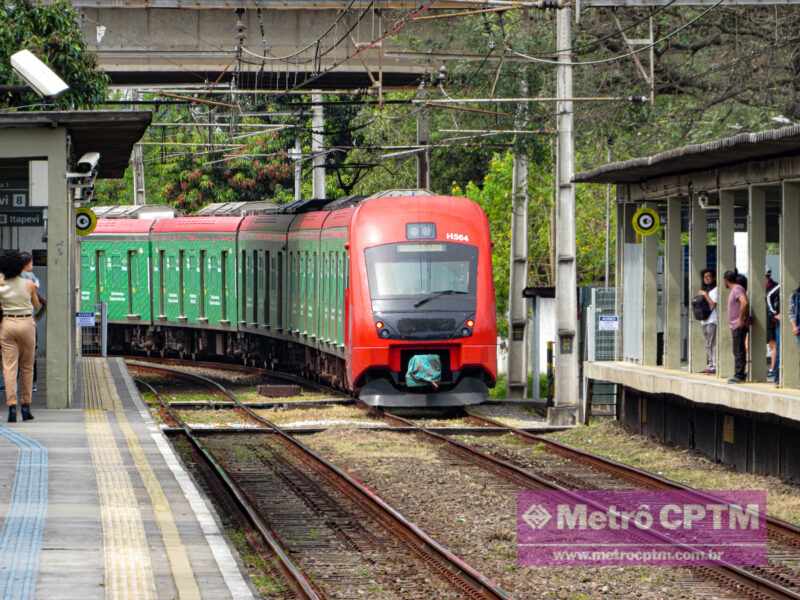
112	133
740	148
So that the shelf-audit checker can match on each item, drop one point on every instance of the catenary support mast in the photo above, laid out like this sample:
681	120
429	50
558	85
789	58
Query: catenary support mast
566	377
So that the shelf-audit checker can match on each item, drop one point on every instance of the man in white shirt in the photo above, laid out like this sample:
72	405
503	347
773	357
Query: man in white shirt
711	294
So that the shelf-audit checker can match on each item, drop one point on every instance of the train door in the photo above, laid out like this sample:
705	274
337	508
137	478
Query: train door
279	294
255	284
162	293
323	295
223	288
243	274
201	294
303	286
267	288
132	274
312	296
181	284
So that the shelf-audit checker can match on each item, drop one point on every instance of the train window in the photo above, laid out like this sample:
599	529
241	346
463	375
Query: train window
255	286
223	287
202	284
181	283
131	258
267	285
412	271
161	280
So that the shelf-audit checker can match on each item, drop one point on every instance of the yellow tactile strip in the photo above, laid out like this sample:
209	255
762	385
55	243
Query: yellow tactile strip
128	570
103	392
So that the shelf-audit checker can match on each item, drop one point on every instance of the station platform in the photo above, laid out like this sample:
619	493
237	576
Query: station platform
95	504
763	398
753	427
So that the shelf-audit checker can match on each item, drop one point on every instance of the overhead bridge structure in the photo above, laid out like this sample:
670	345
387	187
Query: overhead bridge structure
284	44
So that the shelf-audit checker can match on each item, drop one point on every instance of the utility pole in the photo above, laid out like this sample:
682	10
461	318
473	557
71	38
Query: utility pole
517	305
297	155
608	216
423	139
139	195
317	146
566	377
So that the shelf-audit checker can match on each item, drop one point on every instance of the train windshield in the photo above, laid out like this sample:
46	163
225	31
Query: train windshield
436	274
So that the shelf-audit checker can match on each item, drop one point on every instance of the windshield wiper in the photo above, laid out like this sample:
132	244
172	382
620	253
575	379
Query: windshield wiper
433	295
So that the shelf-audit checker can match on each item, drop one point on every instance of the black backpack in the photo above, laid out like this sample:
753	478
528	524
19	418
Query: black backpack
700	308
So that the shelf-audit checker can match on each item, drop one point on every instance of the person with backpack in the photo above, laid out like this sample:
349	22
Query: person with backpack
739	323
710	294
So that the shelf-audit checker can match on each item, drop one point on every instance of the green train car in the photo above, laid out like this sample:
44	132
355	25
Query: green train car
347	292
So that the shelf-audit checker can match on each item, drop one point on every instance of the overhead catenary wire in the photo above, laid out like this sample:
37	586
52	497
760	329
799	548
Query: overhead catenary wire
600	61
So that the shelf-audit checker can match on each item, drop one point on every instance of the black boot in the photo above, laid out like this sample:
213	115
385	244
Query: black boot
12	414
26	412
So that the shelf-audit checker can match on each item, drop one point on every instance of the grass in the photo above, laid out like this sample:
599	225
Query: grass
211	417
257	567
500	390
607	438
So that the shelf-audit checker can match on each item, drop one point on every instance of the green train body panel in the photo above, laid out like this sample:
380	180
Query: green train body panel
116	270
194	280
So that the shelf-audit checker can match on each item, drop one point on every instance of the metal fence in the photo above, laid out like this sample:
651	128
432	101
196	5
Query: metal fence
602	323
93	328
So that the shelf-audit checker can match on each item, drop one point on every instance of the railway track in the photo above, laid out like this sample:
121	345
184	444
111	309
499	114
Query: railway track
779	579
334	537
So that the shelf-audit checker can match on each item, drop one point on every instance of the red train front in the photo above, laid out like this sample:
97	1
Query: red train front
421	286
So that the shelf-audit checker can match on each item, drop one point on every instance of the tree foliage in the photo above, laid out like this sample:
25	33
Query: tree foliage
52	33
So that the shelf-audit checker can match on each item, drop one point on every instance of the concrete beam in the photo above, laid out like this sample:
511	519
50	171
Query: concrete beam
52	144
790	280
619	276
138	46
726	261
673	278
650	300
757	257
698	239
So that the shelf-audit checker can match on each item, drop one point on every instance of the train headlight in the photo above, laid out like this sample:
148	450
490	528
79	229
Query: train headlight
379	324
385	333
470	323
466	332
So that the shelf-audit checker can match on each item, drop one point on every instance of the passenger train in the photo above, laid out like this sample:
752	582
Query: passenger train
349	292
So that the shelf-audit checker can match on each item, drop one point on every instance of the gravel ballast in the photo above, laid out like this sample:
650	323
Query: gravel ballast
473	512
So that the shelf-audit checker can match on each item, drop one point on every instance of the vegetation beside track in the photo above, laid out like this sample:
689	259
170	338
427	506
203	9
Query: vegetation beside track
609	439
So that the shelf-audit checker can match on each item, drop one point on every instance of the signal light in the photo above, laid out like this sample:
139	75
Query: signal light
470	323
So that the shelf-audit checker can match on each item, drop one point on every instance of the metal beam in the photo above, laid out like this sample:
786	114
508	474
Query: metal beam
673	278
726	261
790	280
650	299
698	240
757	257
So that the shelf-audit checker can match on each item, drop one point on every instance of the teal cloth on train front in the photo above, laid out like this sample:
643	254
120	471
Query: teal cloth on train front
424	369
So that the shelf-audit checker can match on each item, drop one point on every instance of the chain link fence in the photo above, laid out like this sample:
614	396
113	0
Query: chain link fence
93	327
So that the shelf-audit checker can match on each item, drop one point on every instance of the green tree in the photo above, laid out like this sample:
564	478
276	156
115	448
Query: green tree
52	33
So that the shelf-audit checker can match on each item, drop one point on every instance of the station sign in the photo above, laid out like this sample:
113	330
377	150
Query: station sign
85	221
608	323
646	221
13	198
85	319
32	217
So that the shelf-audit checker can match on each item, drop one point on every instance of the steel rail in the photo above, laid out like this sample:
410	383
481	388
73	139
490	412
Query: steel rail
292	573
451	567
758	586
633	474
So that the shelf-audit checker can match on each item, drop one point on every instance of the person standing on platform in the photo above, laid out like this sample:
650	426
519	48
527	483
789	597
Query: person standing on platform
770	287
711	294
18	299
738	321
27	273
774	314
794	314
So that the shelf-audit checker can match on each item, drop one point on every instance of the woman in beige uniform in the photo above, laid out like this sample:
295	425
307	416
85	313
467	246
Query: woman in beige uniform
18	300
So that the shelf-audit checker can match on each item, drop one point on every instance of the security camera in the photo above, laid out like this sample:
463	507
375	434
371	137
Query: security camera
88	162
37	74
706	202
